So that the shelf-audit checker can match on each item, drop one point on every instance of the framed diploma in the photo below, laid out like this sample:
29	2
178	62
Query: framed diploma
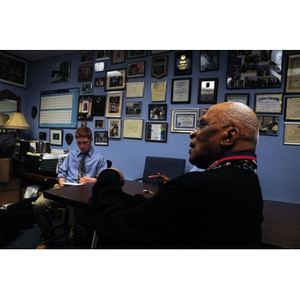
207	91
159	67
268	103
183	63
292	109
156	132
293	74
184	120
181	90
291	134
133	128
242	98
135	89
158	91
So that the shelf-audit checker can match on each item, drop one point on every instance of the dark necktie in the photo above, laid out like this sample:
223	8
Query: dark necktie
81	169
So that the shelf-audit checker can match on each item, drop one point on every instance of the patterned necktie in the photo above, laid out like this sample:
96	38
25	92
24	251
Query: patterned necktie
81	169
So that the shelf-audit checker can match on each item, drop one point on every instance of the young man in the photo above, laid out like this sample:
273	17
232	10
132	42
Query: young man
220	207
83	166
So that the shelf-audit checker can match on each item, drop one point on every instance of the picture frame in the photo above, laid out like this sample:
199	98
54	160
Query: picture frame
135	89
268	103
86	57
256	69
136	53
114	128
268	125
56	137
209	60
87	88
291	134
241	98
292	84
101	138
181	91
157	112
99	123
133	128
99	81
292	109
207	91
13	70
117	56
159	68
85	73
85	108
133	109
184	120
99	105
156	132
115	80
183	62
158	91
102	55
135	70
60	71
114	104
99	66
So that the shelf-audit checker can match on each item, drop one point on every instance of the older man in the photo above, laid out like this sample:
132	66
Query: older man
218	208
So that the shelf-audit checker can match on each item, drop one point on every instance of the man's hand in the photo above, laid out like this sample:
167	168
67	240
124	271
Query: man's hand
160	177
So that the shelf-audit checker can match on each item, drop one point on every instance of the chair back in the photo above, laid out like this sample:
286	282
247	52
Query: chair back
171	167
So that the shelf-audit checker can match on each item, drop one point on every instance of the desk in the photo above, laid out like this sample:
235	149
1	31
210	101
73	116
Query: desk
80	195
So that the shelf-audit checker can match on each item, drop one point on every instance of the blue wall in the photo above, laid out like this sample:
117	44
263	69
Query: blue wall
279	165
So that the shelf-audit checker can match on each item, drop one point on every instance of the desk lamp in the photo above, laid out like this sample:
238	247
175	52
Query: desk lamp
17	122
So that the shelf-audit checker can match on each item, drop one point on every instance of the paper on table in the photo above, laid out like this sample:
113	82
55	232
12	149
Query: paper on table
71	183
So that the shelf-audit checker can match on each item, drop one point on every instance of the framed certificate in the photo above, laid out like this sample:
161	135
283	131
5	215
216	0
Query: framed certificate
268	103
292	109
181	90
133	128
293	74
184	120
291	134
242	98
158	91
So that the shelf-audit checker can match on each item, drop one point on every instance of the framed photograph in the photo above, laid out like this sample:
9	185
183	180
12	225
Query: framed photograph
136	53
158	91
136	69
183	63
291	134
133	109
115	80
114	128
181	90
86	57
101	138
102	55
157	112
256	69
99	81
13	70
85	108
99	66
99	123
56	137
242	98
268	103
135	89
99	105
133	128
292	109
209	60
159	67
60	71
85	73
207	92
114	104
87	88
117	56
156	132
268	125
184	120
292	84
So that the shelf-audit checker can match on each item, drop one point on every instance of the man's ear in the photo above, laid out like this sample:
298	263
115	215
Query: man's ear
230	136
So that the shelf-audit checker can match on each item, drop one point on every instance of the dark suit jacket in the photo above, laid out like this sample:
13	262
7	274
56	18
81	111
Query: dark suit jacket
218	209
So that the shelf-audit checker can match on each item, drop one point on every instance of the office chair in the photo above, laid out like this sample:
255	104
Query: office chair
171	167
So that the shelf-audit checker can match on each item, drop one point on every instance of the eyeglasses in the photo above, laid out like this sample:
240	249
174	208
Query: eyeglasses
200	124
